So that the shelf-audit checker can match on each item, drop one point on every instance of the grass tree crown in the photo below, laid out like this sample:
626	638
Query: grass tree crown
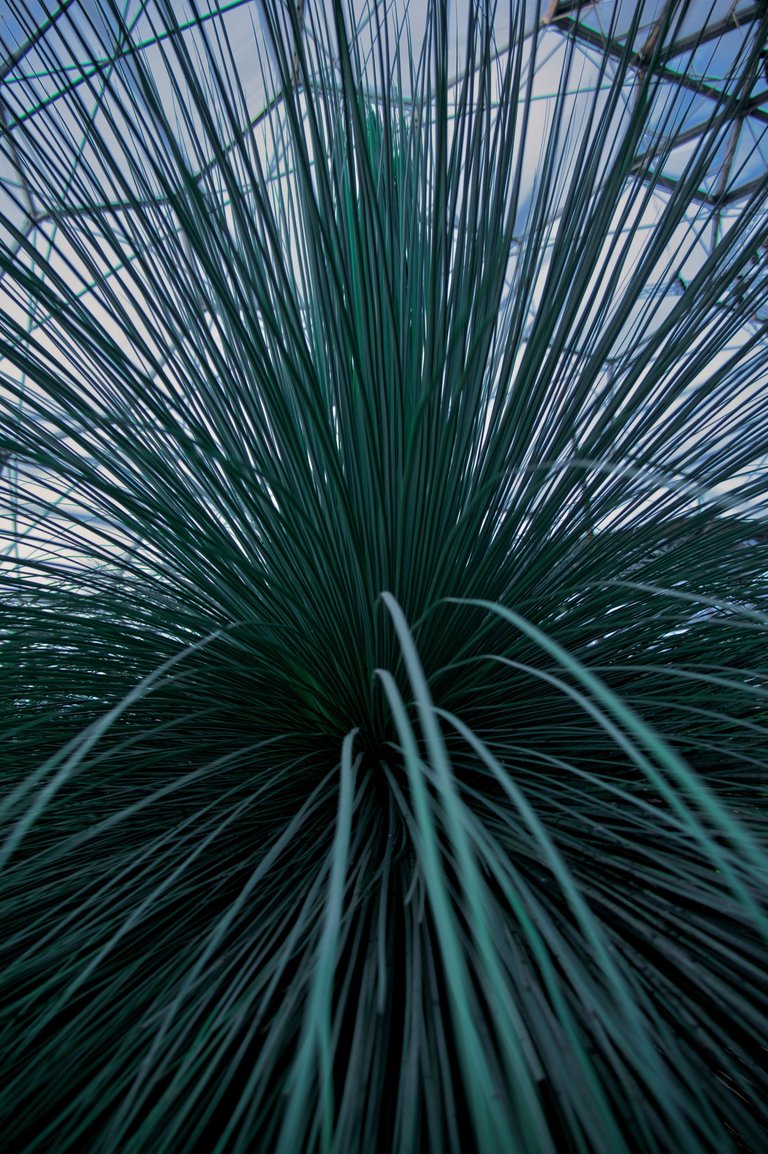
384	628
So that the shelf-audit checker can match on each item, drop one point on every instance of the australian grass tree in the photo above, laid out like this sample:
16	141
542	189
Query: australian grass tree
384	637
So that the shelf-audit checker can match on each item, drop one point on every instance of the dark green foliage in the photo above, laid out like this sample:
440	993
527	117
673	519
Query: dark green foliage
384	651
